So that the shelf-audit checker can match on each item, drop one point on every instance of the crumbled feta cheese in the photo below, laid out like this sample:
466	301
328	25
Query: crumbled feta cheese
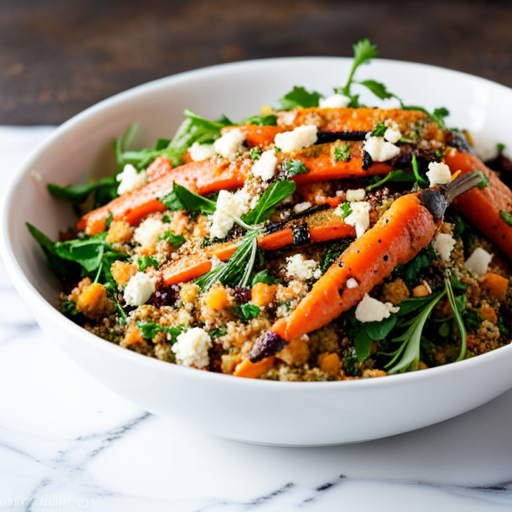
372	310
301	207
265	166
478	262
352	283
299	138
392	134
139	289
357	194
335	101
129	179
191	348
230	145
438	174
149	231
380	150
199	152
216	262
360	217
443	245
228	205
298	266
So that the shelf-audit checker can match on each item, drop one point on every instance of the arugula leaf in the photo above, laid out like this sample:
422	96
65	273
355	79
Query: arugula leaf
394	177
87	252
146	261
379	130
294	167
263	277
379	330
407	356
458	318
105	190
364	52
346	209
422	182
342	153
269	199
412	270
363	345
299	97
437	116
266	120
247	311
174	240
183	199
150	329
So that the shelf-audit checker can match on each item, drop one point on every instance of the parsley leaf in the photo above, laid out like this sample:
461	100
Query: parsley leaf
248	311
379	130
146	261
266	120
183	199
377	88
263	277
484	180
342	153
150	329
255	153
506	217
174	240
294	167
345	209
299	97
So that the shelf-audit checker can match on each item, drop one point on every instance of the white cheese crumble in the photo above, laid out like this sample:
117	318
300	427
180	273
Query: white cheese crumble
478	262
265	166
139	289
230	145
298	266
358	194
216	262
392	134
149	231
199	152
301	207
191	348
129	179
334	101
359	218
380	150
299	138
352	283
443	245
373	310
438	174
228	205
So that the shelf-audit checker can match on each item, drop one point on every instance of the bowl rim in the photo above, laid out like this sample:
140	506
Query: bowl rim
36	299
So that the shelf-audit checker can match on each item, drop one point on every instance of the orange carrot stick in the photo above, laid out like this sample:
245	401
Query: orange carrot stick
251	370
482	206
255	135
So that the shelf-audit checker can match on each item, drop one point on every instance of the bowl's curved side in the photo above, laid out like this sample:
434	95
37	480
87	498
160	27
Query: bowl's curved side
256	411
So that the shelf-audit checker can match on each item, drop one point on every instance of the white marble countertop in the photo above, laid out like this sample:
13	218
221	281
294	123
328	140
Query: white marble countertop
67	443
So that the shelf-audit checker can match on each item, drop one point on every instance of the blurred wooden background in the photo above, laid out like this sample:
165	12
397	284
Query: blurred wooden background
58	57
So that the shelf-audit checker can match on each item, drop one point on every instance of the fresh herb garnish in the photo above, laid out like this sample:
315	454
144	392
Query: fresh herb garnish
255	153
216	333
484	180
342	153
263	277
500	147
299	97
150	329
458	317
346	209
422	182
146	261
507	217
247	311
330	257
266	120
104	190
174	240
294	167
183	199
394	177
363	345
379	130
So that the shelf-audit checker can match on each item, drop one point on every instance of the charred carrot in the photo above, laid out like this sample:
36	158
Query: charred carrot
318	227
482	207
251	370
400	234
257	136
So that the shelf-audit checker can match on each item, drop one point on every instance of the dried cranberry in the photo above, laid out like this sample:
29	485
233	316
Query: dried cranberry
242	294
166	296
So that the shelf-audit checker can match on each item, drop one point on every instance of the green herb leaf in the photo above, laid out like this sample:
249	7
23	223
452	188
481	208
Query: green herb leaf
377	88
183	199
216	333
267	120
346	209
458	318
380	330
394	176
255	153
342	153
146	261
299	97
87	252
263	277
500	147
422	182
484	180
274	194
248	311
174	240
363	345
105	190
379	130
150	329
330	257
294	167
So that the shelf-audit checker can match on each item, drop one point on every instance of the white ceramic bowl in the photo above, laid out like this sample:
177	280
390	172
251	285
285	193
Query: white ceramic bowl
249	410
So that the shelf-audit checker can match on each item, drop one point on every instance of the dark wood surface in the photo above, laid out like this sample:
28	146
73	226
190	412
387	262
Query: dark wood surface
58	57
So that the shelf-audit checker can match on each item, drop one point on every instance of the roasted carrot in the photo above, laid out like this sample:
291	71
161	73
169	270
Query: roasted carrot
482	207
158	167
214	175
251	370
255	135
321	226
407	227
